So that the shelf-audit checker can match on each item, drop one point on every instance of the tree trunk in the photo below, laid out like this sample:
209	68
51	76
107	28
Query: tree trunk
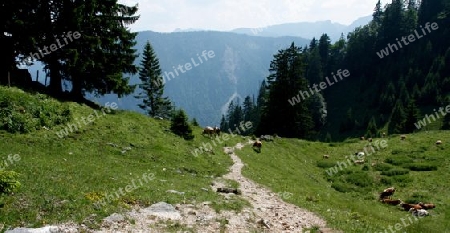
76	91
55	86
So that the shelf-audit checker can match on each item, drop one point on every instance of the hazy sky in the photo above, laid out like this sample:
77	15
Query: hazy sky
224	15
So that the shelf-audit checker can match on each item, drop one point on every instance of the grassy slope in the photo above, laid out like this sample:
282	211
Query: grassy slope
290	165
62	178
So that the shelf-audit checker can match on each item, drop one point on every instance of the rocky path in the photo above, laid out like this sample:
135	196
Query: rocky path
268	213
271	212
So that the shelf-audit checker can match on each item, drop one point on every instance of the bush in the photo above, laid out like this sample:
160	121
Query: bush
420	167
386	180
360	179
21	113
398	160
8	182
402	179
180	126
326	164
342	187
382	167
395	172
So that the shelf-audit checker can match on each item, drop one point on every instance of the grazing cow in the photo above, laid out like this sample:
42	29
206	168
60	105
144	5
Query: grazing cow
387	193
402	137
359	154
407	206
326	156
418	212
257	145
391	202
369	139
438	142
359	161
427	206
362	138
217	131
208	131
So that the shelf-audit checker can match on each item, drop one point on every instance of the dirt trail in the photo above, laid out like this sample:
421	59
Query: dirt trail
268	213
271	211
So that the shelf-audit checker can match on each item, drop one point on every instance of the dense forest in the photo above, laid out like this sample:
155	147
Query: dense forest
398	66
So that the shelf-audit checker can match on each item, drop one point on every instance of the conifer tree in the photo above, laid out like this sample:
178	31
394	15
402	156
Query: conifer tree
154	104
398	118
287	78
412	114
180	126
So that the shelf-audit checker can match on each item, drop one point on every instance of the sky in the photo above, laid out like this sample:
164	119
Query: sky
225	15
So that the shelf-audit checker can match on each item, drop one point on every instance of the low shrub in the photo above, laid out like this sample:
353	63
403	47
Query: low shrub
8	182
398	160
360	179
21	113
382	167
420	166
395	172
342	187
325	164
402	179
386	180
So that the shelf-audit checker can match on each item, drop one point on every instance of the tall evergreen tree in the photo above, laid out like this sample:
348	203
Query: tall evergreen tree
412	115
154	104
287	78
398	118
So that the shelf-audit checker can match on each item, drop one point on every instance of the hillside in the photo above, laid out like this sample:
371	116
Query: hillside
62	178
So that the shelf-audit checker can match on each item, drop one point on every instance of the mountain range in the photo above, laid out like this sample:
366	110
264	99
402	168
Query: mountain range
241	61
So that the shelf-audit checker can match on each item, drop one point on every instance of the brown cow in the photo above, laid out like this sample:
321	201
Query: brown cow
427	206
391	202
208	131
407	206
387	193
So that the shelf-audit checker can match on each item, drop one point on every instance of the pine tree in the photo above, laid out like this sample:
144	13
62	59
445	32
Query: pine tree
378	13
180	126
398	118
194	122
152	91
372	129
412	114
223	124
287	78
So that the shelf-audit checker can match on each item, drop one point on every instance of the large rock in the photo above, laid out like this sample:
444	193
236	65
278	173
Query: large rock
163	210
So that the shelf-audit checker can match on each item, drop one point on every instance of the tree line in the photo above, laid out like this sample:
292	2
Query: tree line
394	90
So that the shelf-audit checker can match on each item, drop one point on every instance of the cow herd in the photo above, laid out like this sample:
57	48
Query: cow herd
419	209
